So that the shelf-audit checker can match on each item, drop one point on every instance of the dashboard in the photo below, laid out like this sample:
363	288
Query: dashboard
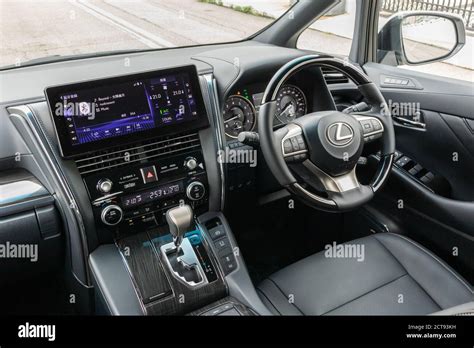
119	145
116	146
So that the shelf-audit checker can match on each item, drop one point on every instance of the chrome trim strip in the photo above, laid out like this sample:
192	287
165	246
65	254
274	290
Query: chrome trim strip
214	100
24	112
20	191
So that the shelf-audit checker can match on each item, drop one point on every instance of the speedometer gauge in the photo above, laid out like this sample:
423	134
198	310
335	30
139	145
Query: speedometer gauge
291	103
239	116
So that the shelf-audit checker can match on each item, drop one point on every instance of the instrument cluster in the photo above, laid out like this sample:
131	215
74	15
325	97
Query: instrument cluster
241	109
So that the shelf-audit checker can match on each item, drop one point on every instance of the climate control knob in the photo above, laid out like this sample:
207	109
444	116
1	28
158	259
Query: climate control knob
191	163
111	215
104	185
195	190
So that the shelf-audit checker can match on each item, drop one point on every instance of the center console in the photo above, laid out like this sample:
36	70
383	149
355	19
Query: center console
138	143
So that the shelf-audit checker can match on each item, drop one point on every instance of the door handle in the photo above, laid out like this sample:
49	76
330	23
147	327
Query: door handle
409	123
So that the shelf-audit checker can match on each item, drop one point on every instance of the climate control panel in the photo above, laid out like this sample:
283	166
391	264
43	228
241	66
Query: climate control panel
138	195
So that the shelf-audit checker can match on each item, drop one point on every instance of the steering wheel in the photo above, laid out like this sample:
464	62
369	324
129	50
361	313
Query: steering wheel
323	148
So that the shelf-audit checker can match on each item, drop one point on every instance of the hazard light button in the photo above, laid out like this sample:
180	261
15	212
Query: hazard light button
149	174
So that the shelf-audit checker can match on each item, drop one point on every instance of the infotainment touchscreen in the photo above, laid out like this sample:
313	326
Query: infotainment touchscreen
93	115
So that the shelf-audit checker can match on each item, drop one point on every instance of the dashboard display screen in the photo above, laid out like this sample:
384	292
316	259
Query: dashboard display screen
94	114
152	195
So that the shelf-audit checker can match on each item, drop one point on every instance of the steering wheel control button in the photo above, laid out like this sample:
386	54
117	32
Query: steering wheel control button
367	126
376	124
149	174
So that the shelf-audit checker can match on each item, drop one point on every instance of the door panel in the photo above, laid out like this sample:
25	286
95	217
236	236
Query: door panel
441	220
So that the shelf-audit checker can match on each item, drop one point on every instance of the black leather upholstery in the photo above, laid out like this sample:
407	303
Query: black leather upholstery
396	277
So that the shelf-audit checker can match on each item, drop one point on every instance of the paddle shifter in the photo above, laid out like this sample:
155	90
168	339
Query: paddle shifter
179	220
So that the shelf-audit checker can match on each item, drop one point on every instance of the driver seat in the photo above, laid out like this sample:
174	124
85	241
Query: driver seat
392	276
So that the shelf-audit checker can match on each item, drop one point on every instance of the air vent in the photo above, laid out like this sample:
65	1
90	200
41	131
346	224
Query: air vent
136	153
333	76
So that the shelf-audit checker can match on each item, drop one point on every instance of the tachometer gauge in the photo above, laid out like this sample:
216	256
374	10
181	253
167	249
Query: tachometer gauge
291	103
239	116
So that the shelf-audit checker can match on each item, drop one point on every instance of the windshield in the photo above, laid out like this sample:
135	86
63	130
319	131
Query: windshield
35	29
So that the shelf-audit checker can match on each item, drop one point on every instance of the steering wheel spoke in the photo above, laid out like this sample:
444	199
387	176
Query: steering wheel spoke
340	184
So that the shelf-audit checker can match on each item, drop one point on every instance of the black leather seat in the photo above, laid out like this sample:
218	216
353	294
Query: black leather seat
396	277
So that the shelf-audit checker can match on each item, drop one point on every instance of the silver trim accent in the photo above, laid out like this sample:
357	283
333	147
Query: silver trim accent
215	116
108	187
20	191
190	186
188	258
293	130
317	198
105	198
340	184
44	145
106	210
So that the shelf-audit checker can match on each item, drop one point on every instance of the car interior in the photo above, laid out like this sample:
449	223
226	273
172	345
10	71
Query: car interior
246	178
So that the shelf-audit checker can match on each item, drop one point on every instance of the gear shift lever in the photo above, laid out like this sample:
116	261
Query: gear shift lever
179	220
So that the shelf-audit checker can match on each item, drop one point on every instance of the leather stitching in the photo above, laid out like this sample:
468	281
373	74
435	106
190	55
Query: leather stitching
429	253
269	301
368	292
413	278
285	296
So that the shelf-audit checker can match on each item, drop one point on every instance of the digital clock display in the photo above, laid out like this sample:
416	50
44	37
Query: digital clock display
152	195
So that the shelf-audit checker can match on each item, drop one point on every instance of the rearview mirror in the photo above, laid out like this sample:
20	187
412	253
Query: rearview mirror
420	37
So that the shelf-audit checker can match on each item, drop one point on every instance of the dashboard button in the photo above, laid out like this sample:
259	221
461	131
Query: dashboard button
191	163
195	190
111	215
221	244
228	263
149	174
104	185
216	232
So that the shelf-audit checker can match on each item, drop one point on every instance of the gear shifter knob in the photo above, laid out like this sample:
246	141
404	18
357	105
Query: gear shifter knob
179	220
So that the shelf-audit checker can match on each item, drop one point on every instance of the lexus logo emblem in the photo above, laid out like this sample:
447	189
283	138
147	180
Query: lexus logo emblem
340	133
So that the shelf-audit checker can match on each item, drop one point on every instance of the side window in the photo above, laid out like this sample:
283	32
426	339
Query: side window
434	36
333	32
